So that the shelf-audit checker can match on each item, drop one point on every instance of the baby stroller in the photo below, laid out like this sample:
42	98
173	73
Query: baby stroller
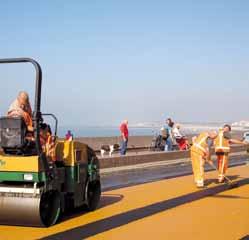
182	143
158	143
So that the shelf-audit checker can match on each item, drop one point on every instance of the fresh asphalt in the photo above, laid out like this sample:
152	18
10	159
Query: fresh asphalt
132	175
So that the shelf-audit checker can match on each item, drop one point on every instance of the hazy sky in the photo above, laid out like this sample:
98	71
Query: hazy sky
104	61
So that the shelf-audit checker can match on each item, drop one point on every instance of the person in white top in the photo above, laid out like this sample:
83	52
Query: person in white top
176	131
180	138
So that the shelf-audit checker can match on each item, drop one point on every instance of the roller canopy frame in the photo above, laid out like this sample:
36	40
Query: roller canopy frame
55	119
37	117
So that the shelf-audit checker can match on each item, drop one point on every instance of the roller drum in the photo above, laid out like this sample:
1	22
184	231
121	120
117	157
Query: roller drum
39	211
20	211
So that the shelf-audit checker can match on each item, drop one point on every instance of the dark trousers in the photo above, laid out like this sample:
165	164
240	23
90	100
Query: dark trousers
123	147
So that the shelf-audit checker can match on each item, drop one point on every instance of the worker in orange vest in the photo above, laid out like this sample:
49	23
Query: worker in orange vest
21	108
47	141
200	153
222	149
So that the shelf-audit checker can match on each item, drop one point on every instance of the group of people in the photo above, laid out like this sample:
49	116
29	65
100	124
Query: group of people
170	132
201	152
172	135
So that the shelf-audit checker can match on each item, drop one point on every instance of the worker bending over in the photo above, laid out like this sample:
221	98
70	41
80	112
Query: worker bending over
200	152
222	149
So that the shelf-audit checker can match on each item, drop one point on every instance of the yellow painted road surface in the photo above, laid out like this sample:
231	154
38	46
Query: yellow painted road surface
166	209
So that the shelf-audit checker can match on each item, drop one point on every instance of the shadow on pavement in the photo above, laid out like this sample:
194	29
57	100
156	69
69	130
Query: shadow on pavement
245	238
228	196
109	199
215	180
121	219
106	200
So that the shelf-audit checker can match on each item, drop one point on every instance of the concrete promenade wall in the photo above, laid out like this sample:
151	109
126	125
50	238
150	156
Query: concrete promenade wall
134	141
138	143
150	157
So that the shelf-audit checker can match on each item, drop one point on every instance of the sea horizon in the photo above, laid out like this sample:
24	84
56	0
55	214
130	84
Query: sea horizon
143	129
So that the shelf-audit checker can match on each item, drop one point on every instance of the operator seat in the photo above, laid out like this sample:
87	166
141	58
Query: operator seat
13	137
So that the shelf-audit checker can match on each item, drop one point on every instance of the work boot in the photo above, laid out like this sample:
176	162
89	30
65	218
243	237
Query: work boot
200	184
221	179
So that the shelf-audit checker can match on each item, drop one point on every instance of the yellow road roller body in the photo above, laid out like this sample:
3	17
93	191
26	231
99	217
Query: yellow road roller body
35	189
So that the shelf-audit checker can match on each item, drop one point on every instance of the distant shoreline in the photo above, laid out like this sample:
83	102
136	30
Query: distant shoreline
134	141
134	131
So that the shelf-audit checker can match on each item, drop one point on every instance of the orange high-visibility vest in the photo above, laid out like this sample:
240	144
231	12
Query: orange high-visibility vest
221	144
27	119
50	148
200	143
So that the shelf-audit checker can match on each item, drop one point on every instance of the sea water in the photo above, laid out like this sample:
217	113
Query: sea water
110	131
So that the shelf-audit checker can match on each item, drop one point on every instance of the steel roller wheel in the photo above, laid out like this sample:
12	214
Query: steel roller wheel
50	208
93	193
28	210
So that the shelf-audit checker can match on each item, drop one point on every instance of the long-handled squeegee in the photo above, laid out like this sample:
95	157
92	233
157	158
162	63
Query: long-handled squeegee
230	183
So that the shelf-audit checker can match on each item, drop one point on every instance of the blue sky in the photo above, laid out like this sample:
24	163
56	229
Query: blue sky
104	61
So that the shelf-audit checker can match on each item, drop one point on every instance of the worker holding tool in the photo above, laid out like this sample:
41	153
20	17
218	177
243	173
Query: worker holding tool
222	149
200	153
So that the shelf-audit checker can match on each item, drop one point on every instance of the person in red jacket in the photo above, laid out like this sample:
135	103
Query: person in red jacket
124	137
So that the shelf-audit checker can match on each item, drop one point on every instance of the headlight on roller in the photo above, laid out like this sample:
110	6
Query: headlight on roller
28	177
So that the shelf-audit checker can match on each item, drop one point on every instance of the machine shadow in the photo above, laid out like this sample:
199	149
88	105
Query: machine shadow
229	196
124	218
245	238
106	200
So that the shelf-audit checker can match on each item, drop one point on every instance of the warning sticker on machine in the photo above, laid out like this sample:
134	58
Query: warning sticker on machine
2	162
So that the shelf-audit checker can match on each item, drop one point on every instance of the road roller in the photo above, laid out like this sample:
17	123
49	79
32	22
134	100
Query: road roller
35	190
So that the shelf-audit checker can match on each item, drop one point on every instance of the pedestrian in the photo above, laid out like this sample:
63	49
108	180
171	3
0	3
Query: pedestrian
180	138
169	135
222	149
124	137
69	136
176	131
200	152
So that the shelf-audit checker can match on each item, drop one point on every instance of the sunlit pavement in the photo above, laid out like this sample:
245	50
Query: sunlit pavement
165	209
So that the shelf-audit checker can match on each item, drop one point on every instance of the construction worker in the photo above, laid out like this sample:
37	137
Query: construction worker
222	149
47	141
21	108
200	152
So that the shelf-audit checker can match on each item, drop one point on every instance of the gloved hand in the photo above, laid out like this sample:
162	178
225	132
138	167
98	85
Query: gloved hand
208	159
210	162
